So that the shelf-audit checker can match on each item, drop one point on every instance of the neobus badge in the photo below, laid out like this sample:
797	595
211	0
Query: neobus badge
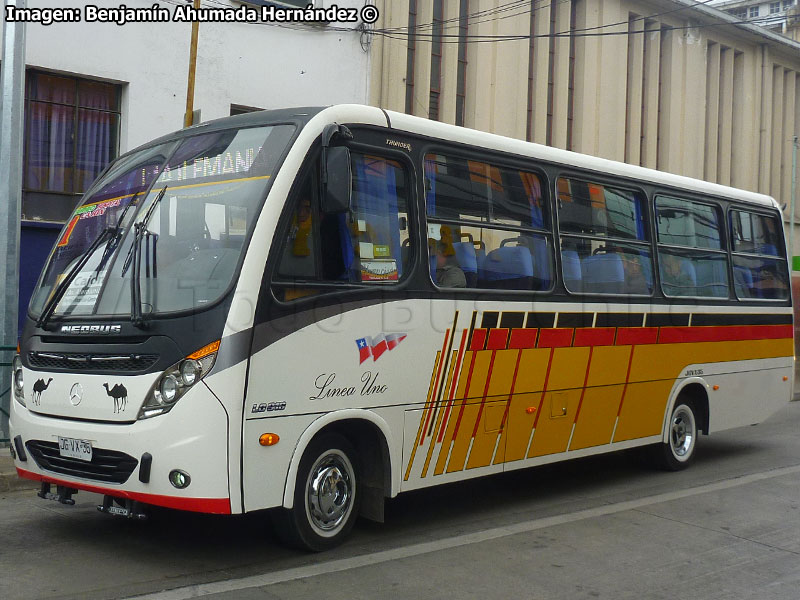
91	329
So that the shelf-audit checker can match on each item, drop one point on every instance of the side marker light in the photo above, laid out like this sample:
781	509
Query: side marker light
530	410
269	439
716	387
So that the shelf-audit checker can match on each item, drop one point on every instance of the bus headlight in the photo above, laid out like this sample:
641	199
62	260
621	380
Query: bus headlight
177	380
18	384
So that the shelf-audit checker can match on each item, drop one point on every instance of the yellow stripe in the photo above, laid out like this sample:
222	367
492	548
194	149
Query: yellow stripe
450	375
422	418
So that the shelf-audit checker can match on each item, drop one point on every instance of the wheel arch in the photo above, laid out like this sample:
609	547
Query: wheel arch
694	389
372	439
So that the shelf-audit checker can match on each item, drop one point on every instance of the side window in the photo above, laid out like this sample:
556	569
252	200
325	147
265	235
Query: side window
488	226
759	268
369	244
691	257
605	245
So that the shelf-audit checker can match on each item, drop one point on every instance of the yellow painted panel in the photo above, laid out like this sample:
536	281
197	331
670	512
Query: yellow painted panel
441	411
666	361
485	438
463	438
569	369
502	376
552	433
480	371
454	412
462	382
532	370
598	415
505	361
609	365
517	432
643	410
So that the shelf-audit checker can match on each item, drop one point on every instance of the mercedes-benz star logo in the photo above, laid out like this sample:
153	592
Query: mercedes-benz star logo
75	394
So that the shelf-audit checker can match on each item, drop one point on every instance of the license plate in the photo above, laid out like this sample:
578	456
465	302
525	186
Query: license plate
72	448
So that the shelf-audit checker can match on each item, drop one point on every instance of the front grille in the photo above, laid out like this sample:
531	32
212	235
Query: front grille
108	466
67	361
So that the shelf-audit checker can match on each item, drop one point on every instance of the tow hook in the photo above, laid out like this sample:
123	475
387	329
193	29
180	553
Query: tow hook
122	507
63	494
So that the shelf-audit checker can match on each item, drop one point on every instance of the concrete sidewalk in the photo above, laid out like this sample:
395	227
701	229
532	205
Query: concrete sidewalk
9	480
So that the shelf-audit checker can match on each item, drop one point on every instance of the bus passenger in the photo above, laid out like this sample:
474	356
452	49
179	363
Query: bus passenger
448	273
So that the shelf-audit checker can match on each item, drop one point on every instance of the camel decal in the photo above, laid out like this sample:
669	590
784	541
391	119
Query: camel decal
38	388
120	396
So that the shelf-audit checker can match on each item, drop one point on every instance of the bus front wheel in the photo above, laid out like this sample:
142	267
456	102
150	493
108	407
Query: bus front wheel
679	449
326	496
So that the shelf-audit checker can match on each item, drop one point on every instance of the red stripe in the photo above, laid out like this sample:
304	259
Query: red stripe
478	339
600	336
523	338
627	378
464	401
497	339
217	506
459	361
585	381
485	392
511	393
435	387
555	338
673	335
544	389
630	336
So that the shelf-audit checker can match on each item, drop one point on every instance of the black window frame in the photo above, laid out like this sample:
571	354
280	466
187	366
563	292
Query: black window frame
782	257
467	153
650	231
310	168
723	250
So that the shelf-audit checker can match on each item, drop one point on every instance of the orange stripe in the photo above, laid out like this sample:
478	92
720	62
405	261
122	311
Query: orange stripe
627	378
459	362
436	386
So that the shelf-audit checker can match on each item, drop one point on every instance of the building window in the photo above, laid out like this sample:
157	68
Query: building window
774	7
754	11
71	134
739	13
787	4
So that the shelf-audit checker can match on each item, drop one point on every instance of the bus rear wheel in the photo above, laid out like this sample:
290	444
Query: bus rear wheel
679	450
326	496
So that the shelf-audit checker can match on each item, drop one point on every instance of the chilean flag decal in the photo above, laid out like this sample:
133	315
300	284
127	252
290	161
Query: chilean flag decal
377	345
363	350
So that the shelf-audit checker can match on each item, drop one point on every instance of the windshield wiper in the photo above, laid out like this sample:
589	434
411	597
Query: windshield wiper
50	306
113	241
134	260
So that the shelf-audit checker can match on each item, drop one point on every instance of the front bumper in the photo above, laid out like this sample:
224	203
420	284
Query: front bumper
192	437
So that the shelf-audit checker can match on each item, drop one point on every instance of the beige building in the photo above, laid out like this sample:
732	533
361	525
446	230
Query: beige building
669	84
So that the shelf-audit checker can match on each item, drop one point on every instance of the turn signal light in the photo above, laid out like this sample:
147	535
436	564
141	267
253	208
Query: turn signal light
269	439
785	378
716	387
530	410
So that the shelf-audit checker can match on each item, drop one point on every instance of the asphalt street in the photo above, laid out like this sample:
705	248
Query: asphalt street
605	527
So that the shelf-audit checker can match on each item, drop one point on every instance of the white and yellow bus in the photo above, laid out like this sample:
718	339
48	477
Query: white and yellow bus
313	310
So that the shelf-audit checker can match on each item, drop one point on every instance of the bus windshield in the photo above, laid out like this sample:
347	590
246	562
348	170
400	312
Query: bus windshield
215	184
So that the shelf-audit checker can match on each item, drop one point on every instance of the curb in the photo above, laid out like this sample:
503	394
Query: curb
9	480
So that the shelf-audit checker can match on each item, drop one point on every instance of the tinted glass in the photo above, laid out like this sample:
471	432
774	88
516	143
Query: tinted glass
755	233
599	210
683	223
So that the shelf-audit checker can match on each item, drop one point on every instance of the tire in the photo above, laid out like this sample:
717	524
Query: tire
326	496
678	451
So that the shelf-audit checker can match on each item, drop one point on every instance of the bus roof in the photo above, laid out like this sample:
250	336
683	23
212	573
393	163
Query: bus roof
318	117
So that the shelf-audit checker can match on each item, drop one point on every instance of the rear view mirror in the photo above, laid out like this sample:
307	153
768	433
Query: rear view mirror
336	180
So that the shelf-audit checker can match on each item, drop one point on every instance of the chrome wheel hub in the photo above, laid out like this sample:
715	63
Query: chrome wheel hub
682	433
329	493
